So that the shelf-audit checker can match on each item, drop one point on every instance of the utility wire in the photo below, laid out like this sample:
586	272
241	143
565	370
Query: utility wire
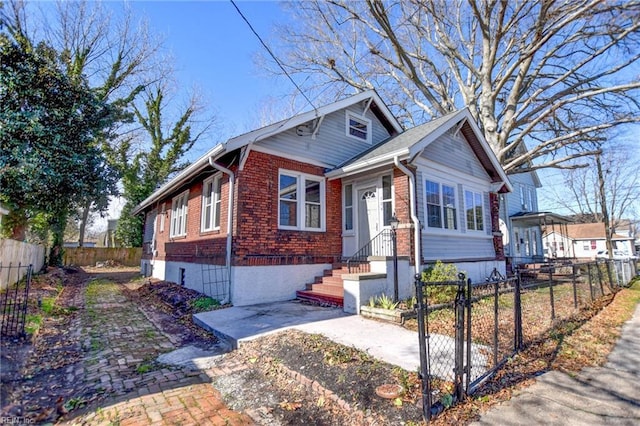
272	54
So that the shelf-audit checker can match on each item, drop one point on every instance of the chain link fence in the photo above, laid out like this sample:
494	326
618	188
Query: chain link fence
468	330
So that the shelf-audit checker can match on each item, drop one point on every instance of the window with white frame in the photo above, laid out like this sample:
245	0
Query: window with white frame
358	127
474	209
531	197
211	202
387	200
179	208
348	207
441	205
301	201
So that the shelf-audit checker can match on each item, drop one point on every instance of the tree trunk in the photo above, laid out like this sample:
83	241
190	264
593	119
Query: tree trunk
83	222
57	225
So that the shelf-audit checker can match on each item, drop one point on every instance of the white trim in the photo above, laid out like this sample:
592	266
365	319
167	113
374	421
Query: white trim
349	116
215	198
301	201
475	192
183	199
456	204
288	156
346	231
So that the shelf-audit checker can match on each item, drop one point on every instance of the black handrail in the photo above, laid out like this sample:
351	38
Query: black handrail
380	245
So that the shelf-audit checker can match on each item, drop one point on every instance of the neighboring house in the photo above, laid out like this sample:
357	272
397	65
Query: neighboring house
584	240
311	191
521	223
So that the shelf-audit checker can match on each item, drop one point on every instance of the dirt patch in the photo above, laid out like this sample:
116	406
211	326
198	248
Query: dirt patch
296	378
42	365
171	308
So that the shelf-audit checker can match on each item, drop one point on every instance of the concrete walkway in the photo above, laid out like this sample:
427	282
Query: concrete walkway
387	342
596	396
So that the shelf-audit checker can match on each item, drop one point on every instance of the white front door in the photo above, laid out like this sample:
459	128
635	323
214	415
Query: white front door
368	217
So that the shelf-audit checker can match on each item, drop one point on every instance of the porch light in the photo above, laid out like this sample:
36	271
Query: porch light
394	222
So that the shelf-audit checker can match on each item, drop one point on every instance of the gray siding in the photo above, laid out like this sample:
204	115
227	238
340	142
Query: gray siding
456	154
513	203
331	146
443	247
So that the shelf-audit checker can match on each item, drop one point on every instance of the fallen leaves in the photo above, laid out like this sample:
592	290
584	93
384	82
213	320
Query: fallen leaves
290	406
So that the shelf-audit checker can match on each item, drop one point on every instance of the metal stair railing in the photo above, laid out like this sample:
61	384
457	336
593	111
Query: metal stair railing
380	245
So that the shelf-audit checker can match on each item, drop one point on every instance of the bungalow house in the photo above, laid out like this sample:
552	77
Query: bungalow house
521	222
259	217
583	241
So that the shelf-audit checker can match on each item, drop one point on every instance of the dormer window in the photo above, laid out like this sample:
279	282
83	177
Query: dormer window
358	127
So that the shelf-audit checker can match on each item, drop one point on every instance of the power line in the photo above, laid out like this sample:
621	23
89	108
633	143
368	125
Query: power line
272	54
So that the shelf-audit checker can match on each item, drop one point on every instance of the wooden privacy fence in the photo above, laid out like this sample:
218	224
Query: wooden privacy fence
89	256
15	253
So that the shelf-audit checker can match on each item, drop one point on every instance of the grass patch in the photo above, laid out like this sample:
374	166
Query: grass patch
48	305
204	303
33	323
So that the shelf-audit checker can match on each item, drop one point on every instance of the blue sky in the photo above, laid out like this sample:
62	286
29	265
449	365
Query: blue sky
213	50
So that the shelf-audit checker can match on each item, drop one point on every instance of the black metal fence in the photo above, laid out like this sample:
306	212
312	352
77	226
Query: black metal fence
14	298
468	330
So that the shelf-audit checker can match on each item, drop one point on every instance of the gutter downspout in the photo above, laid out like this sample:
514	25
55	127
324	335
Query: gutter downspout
414	216
232	180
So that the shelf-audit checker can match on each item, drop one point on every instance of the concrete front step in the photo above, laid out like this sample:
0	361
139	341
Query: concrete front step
321	298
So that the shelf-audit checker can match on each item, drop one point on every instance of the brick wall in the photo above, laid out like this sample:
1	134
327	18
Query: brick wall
255	227
498	245
257	224
196	246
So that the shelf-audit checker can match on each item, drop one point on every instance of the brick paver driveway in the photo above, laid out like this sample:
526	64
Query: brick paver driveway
121	345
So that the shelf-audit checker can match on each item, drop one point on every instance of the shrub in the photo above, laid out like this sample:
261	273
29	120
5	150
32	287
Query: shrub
440	272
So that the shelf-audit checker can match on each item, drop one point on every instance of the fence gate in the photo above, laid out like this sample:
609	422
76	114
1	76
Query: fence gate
14	299
441	353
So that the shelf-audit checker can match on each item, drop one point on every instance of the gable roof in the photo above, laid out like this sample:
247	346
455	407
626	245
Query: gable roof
411	143
371	97
584	231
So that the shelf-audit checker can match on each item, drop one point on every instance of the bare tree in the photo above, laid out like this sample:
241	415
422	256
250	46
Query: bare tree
580	190
546	75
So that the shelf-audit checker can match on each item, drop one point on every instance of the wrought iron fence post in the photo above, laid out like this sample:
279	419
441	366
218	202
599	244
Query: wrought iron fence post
590	281
423	335
574	282
458	369
600	279
517	314
496	294
468	367
553	305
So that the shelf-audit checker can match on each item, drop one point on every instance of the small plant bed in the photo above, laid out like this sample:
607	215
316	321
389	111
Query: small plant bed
384	308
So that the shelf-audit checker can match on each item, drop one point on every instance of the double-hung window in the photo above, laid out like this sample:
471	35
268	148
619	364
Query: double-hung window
387	200
358	127
301	201
474	209
179	208
348	207
441	205
211	191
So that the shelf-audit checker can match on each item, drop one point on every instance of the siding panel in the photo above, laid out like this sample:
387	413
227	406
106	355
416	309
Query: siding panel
454	152
331	145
